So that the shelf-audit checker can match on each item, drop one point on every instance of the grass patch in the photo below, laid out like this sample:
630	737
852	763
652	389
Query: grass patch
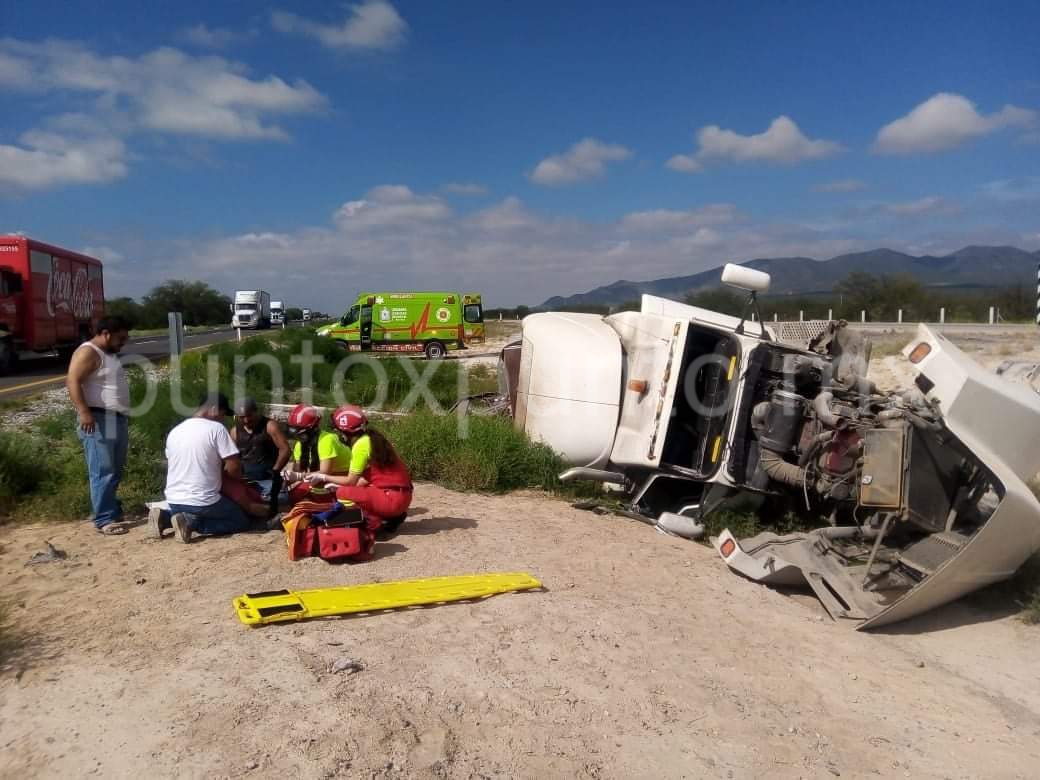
1026	589
493	457
43	473
500	329
8	642
21	465
143	333
883	349
1026	582
362	379
744	521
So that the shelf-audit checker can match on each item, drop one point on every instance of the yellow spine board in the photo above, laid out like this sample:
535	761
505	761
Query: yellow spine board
255	609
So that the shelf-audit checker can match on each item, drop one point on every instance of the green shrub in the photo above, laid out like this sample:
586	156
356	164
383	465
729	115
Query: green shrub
22	465
492	456
43	473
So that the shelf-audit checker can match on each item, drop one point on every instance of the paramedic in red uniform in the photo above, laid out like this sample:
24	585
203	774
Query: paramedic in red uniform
378	481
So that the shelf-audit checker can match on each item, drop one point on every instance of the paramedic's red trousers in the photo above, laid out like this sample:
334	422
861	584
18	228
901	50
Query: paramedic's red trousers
377	503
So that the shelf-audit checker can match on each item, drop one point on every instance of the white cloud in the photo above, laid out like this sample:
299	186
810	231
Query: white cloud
207	37
393	206
685	163
45	159
509	251
372	25
587	159
165	89
946	121
667	220
106	254
111	98
465	188
1010	190
782	142
933	205
841	185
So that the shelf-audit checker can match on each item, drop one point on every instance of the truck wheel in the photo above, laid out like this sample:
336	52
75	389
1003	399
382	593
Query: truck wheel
8	357
435	350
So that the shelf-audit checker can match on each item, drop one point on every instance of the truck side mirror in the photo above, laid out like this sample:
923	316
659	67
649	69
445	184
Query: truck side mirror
744	278
751	281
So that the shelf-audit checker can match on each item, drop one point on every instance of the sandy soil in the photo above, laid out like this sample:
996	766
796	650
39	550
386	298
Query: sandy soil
643	657
990	347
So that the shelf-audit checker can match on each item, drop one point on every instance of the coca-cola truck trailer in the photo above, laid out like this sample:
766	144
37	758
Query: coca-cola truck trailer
50	298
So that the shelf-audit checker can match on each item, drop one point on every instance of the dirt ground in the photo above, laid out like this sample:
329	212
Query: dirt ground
990	347
643	657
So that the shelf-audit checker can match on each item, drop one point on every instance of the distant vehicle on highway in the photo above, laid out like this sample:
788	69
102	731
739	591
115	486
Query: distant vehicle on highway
251	309
50	299
306	315
277	313
420	322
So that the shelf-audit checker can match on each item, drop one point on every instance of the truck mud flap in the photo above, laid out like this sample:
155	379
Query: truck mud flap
275	606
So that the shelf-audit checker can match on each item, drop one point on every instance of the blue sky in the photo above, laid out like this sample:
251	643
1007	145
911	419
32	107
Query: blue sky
520	150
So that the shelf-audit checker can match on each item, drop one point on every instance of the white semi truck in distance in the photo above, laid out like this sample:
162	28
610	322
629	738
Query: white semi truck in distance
251	309
277	313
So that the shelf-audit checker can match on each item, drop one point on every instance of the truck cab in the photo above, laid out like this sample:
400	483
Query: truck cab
251	309
914	496
277	313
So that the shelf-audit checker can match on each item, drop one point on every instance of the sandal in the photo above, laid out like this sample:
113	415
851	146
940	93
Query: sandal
112	529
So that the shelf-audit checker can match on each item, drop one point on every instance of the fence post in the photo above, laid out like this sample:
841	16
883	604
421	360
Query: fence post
239	333
801	316
1038	294
992	315
942	316
862	315
1037	317
176	323
900	320
830	314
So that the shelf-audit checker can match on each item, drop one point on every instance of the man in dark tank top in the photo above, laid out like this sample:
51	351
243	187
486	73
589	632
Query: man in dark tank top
264	448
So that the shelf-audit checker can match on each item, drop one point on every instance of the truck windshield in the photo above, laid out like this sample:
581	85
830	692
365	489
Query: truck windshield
245	306
351	315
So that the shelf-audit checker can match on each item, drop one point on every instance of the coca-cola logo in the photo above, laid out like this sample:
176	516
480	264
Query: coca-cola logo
69	291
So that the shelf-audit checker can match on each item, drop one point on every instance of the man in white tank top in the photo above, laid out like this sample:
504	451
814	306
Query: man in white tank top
98	388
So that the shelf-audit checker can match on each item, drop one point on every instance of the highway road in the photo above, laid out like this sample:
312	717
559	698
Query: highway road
34	376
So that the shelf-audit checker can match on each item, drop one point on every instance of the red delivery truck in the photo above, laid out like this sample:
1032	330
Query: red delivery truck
50	299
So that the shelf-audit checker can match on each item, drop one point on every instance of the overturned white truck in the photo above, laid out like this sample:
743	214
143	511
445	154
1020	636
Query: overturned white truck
919	496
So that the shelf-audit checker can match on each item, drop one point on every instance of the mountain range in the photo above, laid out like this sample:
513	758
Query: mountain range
972	266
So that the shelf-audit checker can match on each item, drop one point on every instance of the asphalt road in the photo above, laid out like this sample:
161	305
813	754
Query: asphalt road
34	376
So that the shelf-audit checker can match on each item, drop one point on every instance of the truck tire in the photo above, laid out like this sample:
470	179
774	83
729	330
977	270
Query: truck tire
8	357
435	350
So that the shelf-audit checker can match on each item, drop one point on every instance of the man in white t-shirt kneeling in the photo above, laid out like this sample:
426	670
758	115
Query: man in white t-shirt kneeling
200	451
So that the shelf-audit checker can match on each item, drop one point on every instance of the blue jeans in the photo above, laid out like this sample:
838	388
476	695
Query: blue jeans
105	451
268	481
219	519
